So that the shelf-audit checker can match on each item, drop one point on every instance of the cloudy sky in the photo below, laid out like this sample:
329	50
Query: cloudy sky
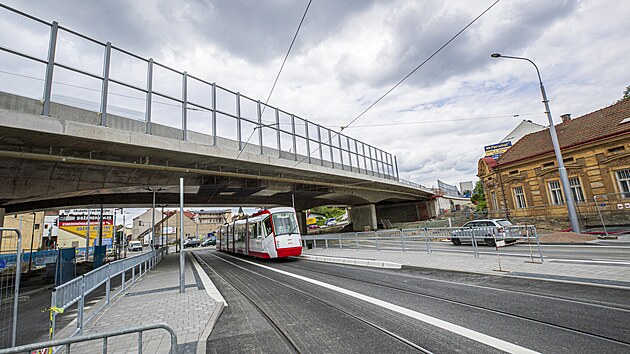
349	53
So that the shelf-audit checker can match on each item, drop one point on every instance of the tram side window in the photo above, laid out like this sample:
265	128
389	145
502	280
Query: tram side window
253	231
267	226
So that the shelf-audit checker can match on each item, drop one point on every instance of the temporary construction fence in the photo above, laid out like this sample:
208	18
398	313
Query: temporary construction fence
426	239
10	272
75	291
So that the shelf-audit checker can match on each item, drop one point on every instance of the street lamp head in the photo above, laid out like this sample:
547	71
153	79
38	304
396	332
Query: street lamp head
495	55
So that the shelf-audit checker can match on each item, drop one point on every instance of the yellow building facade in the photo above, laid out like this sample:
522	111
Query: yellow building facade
524	183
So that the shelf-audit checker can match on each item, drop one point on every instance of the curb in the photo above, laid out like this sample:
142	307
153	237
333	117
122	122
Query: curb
213	293
353	261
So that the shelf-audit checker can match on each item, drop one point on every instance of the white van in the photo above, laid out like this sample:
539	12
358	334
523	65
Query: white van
134	246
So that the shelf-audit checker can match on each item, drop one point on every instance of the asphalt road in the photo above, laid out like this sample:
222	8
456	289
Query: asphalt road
309	307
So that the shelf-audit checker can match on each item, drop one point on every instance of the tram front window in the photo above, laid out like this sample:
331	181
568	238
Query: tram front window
285	223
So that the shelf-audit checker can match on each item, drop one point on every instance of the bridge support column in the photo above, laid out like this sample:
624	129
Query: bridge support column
1	217
301	219
363	217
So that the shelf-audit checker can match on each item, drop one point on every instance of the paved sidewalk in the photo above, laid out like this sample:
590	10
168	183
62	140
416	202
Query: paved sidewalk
615	275
155	298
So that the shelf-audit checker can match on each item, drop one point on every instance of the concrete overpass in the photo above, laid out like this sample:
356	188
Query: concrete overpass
67	159
55	155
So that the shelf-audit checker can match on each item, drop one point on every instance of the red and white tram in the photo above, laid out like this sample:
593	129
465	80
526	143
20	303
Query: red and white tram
269	233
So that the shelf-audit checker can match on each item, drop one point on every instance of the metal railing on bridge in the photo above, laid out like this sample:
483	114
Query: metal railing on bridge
427	239
173	102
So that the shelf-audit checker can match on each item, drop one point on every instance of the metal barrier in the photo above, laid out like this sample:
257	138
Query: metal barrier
75	291
200	107
424	239
67	342
10	285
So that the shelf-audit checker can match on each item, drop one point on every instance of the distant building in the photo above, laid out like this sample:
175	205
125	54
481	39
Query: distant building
524	128
521	130
142	223
466	186
30	226
210	220
447	189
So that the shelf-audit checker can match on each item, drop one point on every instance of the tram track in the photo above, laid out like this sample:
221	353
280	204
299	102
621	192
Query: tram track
289	343
478	307
337	308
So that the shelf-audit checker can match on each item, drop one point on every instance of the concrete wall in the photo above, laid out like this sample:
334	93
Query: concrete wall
363	217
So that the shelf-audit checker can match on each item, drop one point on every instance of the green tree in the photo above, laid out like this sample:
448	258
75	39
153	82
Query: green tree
478	197
626	94
329	212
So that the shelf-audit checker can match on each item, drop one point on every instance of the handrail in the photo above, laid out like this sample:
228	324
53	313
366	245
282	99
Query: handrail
338	154
376	239
75	290
102	335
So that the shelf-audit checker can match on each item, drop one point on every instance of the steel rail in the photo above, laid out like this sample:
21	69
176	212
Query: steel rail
487	309
338	308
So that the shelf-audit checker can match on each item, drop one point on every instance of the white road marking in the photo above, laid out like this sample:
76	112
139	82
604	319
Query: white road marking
462	331
591	261
211	289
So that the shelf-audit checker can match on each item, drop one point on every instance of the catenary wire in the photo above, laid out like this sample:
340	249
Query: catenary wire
404	78
277	77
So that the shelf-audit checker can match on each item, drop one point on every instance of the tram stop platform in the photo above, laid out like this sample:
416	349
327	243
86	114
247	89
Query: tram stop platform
589	272
153	299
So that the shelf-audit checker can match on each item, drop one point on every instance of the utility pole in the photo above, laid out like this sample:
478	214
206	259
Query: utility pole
30	259
87	237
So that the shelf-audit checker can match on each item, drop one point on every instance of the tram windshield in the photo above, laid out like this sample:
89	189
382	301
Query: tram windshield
285	223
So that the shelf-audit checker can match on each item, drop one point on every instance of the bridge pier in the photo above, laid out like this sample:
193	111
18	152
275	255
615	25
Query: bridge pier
301	219
363	217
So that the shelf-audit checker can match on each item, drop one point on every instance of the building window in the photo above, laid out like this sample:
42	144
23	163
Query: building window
576	189
495	205
556	193
519	197
623	178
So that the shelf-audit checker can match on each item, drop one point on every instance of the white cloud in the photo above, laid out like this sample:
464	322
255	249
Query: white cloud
349	53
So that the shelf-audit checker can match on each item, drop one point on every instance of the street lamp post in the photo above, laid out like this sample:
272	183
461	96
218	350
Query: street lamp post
564	179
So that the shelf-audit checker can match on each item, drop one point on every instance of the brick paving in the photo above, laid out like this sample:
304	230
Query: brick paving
155	298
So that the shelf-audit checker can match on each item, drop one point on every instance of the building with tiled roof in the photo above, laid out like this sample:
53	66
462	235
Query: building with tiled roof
524	184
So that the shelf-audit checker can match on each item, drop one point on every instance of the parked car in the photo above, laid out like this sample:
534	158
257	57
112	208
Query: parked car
331	222
487	229
314	226
133	246
191	242
210	241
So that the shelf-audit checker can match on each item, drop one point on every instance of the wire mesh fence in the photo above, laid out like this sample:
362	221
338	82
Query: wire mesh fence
11	259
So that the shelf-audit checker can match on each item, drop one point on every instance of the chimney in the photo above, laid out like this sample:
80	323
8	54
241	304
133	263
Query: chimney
566	117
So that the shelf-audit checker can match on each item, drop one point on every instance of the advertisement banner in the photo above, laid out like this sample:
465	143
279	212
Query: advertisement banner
495	150
75	221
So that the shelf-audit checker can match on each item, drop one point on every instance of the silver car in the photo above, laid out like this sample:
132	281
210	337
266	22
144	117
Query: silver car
487	229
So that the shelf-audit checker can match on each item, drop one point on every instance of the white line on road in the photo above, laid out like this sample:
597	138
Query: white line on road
462	331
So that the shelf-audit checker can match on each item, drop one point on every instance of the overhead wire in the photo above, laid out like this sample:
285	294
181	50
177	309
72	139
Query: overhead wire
404	78
445	120
277	77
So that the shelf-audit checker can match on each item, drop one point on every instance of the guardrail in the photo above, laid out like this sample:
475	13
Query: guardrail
424	239
28	348
75	291
200	107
